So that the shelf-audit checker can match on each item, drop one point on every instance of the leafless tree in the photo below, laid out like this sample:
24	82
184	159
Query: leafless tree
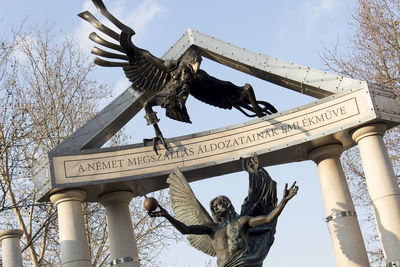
374	56
46	93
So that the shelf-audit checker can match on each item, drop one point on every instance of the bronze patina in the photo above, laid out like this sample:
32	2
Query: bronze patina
172	81
236	240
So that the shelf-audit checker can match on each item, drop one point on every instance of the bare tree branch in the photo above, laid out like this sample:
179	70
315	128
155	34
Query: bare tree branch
46	94
374	56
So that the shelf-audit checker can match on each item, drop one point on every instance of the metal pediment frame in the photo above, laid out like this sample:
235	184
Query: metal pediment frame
353	102
302	79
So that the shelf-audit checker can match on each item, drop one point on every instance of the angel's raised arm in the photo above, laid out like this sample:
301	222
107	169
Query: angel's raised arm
264	219
205	229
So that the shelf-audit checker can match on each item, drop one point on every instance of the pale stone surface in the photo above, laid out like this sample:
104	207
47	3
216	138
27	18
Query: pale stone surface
121	237
382	187
345	231
11	250
71	225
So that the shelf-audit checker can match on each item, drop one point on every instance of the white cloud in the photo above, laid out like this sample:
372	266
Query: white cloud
317	12
142	16
120	86
138	19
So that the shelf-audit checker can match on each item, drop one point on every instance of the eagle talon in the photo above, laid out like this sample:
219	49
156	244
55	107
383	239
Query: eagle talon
156	140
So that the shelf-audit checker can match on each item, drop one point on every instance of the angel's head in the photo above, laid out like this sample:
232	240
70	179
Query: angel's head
193	58
221	206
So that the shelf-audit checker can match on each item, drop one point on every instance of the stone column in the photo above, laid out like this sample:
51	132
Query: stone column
10	247
72	231
341	217
382	187
123	248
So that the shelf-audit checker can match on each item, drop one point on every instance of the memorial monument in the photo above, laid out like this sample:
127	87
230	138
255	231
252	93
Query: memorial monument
346	112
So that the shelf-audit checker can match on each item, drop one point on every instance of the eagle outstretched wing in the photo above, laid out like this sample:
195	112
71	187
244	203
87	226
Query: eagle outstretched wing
261	200
144	71
226	95
189	210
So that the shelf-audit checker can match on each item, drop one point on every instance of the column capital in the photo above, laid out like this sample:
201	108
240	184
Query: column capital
368	130
115	197
68	195
323	152
11	233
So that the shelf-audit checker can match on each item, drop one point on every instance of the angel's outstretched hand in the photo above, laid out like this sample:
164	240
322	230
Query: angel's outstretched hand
161	212
291	192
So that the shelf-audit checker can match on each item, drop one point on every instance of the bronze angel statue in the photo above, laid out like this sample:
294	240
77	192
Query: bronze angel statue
171	81
236	240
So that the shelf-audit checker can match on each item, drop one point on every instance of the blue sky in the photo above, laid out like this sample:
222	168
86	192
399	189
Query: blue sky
294	31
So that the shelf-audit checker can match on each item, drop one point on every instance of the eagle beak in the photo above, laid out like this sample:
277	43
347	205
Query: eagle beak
196	67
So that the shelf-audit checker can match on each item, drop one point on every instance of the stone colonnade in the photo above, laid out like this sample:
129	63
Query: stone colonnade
341	217
72	232
383	189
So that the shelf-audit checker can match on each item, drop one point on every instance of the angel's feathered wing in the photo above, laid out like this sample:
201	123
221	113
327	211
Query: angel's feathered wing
189	210
224	94
261	200
144	71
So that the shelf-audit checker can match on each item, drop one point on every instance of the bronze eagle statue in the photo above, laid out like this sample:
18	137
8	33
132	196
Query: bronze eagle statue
236	240
172	81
